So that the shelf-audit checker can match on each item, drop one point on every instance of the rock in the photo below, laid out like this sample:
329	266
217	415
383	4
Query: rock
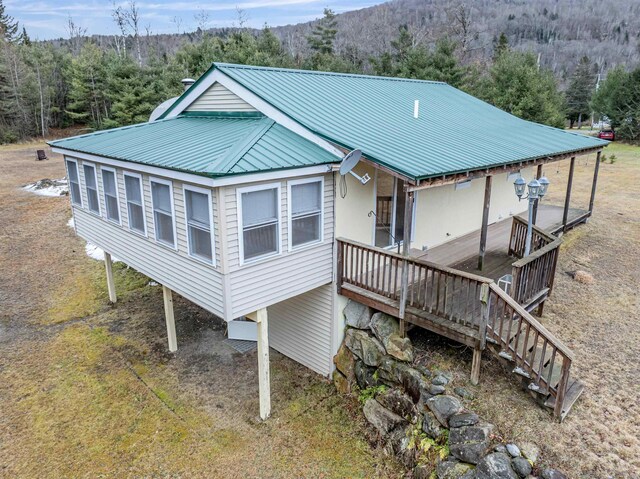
463	419
399	441
402	374
500	448
443	407
357	315
440	380
463	393
387	330
364	346
530	451
552	474
345	363
398	403
470	443
495	466
381	418
434	390
342	385
431	426
521	466
513	450
424	370
452	469
421	472
365	375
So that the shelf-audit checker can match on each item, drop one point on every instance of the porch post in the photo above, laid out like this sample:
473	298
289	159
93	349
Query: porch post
595	182
170	319
485	221
535	205
567	199
111	285
264	382
406	248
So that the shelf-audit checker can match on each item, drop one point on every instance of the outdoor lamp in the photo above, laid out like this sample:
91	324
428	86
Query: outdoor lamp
534	188
519	185
544	185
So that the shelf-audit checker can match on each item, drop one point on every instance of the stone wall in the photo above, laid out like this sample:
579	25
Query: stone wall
418	413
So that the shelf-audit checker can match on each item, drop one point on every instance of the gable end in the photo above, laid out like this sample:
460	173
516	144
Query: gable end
219	98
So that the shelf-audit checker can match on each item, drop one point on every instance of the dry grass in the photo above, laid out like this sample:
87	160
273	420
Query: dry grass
88	390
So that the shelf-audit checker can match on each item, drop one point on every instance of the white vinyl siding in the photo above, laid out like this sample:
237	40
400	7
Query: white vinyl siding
110	194
306	207
218	98
91	187
259	219
135	203
74	182
163	211
199	223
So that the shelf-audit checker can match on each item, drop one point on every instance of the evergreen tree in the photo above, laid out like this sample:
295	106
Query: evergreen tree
500	46
579	92
8	26
618	100
324	34
88	92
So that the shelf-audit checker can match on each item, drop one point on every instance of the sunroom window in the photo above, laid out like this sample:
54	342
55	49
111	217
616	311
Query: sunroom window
199	223
91	187
161	197
110	191
260	222
135	205
74	182
306	212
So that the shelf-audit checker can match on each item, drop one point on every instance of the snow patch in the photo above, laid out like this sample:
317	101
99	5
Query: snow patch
94	252
47	187
71	223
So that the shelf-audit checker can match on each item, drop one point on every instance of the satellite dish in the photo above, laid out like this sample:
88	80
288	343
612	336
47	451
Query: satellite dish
161	108
348	164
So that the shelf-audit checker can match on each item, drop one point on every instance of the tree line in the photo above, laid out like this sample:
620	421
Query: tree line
43	86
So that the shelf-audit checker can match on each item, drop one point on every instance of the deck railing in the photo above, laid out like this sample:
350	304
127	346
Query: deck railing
518	238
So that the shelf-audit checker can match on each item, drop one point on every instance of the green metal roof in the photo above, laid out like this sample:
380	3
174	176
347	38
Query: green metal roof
453	133
209	145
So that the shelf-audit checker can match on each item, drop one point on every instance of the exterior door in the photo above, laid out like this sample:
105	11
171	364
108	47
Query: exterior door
390	206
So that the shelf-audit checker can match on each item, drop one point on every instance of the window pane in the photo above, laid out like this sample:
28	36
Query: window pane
92	196
164	227
200	242
72	171
305	230
132	186
259	207
89	176
305	198
161	195
109	182
197	207
136	217
75	193
260	241
112	208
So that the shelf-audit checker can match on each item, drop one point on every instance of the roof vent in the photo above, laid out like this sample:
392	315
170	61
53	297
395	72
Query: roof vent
187	82
416	108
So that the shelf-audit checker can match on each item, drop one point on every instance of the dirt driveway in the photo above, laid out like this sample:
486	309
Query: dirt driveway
88	389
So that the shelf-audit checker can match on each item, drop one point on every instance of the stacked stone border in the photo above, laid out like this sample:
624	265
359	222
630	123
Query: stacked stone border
413	412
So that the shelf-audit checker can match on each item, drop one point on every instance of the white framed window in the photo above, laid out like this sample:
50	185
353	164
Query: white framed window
134	197
258	221
74	181
91	187
199	223
163	211
306	211
110	193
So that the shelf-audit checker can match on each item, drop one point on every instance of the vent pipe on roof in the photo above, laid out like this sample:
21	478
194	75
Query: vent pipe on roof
416	108
187	82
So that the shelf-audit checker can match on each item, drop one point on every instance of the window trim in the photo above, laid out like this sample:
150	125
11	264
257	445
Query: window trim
75	162
104	195
206	191
249	189
169	183
95	176
126	202
303	181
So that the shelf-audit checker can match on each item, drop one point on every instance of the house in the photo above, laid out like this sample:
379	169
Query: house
232	198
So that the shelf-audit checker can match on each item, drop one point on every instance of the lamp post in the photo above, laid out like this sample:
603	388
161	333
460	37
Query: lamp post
537	190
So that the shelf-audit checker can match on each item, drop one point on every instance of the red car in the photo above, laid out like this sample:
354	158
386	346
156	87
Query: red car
607	135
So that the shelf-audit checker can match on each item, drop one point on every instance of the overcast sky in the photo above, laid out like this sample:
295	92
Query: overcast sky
47	19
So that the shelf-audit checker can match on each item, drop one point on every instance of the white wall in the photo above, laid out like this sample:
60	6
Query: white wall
218	98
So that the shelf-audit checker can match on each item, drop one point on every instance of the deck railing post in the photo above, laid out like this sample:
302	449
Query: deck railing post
562	388
567	199
595	183
406	248
535	206
339	265
484	317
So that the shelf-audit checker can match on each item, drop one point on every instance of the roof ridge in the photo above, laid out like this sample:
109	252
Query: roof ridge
324	73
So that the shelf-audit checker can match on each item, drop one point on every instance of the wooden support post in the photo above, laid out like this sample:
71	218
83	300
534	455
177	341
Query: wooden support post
595	182
485	221
171	322
406	248
264	382
482	334
111	285
475	365
535	205
567	198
